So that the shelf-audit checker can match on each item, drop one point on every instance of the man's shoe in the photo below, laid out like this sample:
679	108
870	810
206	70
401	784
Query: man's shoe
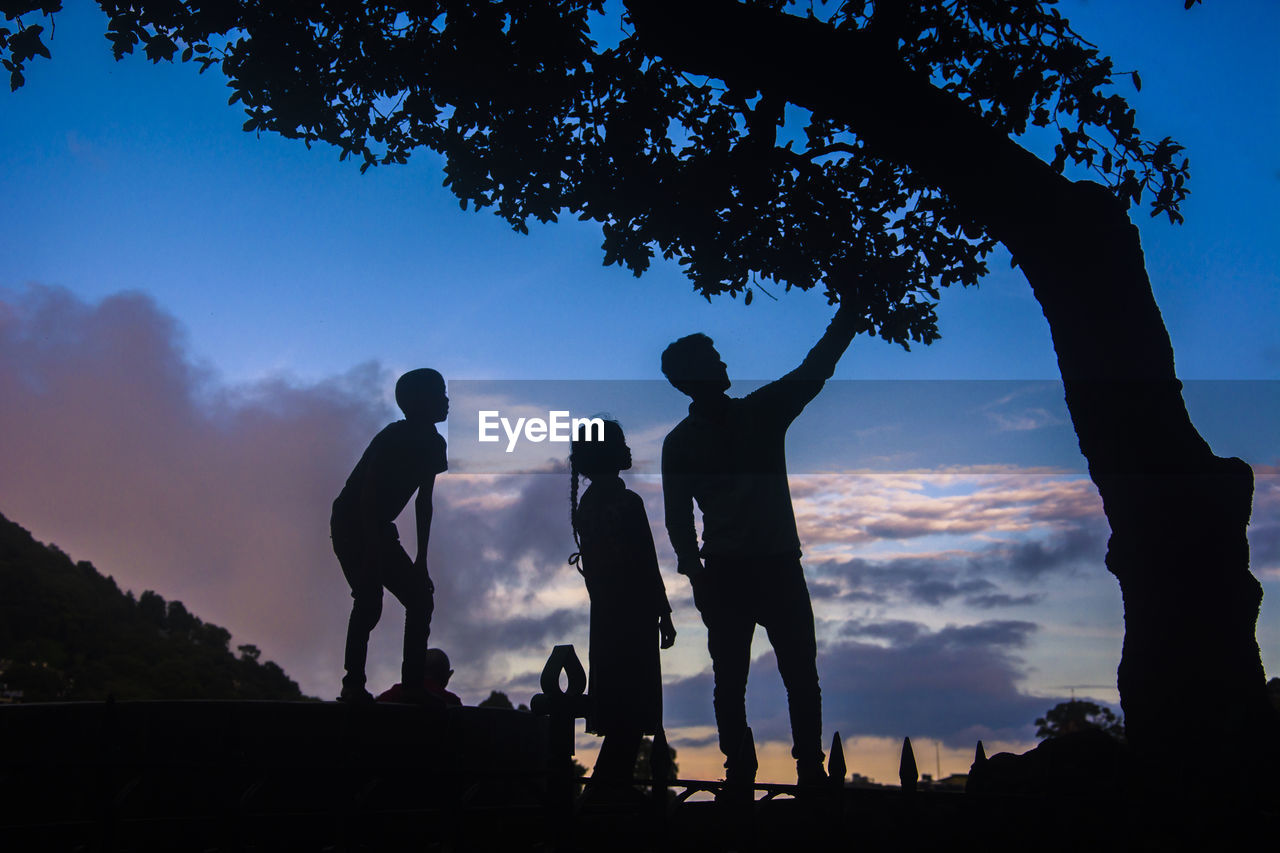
740	773
736	794
739	785
811	774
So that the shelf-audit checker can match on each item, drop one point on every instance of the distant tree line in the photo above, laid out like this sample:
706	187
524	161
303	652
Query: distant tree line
1079	715
68	633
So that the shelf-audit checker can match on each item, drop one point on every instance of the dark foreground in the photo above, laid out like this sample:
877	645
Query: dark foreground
268	776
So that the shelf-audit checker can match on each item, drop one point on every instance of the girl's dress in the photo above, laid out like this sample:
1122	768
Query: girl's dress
620	566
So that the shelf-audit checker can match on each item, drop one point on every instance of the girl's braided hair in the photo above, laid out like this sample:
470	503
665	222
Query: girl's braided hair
585	457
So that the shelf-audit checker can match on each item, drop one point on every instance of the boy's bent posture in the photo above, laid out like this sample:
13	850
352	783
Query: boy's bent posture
405	457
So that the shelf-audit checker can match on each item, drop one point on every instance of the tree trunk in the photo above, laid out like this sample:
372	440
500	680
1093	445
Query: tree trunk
1177	512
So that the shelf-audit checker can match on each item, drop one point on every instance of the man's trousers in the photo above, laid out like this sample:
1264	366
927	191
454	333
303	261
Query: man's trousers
735	594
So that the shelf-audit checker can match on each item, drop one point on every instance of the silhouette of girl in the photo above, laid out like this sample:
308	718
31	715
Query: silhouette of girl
617	559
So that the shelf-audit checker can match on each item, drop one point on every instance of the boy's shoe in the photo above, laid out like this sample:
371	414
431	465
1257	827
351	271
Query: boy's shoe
355	696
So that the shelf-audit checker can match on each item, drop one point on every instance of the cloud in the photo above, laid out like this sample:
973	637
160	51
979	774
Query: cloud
949	684
1008	413
1264	530
860	508
822	590
895	679
695	742
124	451
923	580
1064	550
687	701
1024	420
971	575
896	631
990	601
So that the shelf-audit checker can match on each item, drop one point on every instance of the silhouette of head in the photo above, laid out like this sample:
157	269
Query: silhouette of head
694	367
421	396
438	669
595	457
592	457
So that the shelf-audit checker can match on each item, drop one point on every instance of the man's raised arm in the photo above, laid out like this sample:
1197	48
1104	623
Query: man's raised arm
788	396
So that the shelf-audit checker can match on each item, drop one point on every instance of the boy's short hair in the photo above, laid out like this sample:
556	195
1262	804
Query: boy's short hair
417	385
438	666
679	356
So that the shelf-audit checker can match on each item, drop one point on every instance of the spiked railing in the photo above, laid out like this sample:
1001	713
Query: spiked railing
908	775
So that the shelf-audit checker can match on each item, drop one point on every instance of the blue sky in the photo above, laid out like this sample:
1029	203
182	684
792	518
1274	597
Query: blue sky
129	175
272	294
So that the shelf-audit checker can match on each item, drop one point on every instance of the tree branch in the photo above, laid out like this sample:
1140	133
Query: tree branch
1074	240
859	78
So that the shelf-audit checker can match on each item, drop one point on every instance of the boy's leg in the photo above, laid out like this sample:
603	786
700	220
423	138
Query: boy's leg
409	585
366	610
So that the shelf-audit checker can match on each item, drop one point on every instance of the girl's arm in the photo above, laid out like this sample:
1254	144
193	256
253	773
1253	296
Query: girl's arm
649	554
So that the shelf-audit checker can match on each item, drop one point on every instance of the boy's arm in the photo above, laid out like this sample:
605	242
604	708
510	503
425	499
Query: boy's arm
666	628
422	514
788	396
643	537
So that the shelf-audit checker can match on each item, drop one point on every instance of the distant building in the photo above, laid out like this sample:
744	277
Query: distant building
857	780
954	782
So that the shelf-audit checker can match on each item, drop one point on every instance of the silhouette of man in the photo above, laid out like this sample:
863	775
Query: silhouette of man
729	455
403	458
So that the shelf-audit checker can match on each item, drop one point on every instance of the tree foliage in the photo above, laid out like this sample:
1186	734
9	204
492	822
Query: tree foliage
1078	715
644	761
67	632
543	109
498	699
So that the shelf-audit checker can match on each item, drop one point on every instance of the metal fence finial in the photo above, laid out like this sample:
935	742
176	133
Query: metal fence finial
907	773
836	767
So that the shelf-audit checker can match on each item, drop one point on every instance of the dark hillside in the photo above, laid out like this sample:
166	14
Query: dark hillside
68	633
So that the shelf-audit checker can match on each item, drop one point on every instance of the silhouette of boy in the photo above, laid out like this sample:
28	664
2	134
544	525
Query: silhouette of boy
403	458
729	455
434	683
